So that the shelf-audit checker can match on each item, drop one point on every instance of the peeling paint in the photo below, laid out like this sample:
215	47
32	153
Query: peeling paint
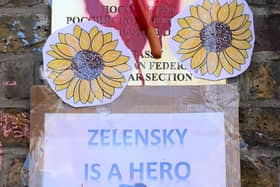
15	125
1	152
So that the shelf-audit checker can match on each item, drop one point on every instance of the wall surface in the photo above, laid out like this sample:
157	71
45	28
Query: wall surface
24	27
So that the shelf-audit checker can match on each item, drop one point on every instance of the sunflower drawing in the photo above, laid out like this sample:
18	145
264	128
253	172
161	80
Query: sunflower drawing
87	65
215	37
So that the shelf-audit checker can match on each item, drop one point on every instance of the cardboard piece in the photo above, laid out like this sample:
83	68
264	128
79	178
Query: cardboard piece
157	100
214	39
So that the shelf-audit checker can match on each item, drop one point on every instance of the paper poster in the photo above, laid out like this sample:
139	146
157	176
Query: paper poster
214	39
118	14
134	150
87	64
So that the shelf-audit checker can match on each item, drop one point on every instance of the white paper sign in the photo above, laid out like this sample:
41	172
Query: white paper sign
134	150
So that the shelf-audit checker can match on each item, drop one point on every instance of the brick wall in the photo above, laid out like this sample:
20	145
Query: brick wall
24	26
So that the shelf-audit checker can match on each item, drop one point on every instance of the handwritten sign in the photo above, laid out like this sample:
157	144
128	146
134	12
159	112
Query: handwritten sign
135	150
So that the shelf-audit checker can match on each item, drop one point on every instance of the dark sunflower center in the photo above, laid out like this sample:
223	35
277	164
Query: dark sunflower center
87	65
216	37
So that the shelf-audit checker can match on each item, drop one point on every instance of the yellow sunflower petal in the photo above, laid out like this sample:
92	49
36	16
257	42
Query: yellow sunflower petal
84	90
225	64
108	96
232	62
61	87
66	50
223	13
185	51
61	37
204	15
57	51
85	40
218	70
190	43
91	97
207	5
77	92
194	11
195	23
97	42
232	8
244	53
187	56
71	88
77	31
107	37
243	36
237	22
178	38
203	69
108	47
54	54
59	65
239	10
188	33
93	32
235	55
53	75
214	10
243	29
110	82
241	44
96	90
111	56
198	58
122	68
108	89
119	61
111	72
212	62
250	39
183	23
64	77
73	42
122	79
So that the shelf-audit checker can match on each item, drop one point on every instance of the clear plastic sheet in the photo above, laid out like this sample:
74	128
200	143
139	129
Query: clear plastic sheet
146	100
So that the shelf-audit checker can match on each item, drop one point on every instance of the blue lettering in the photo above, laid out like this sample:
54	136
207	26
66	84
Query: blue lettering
94	171
115	172
91	140
104	136
127	137
151	170
134	170
165	168
115	137
86	172
181	166
182	136
140	136
155	135
167	136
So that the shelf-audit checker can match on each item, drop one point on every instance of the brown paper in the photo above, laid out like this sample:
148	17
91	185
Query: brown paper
192	99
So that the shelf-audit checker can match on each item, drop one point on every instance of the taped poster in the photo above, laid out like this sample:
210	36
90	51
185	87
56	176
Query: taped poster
120	15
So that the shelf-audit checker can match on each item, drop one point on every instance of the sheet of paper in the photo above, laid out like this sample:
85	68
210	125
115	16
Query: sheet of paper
214	39
134	150
117	14
87	64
